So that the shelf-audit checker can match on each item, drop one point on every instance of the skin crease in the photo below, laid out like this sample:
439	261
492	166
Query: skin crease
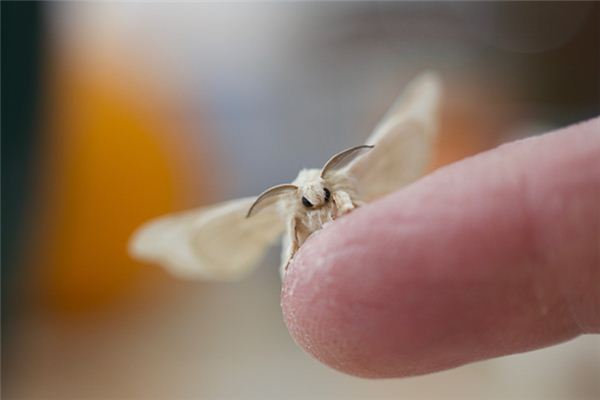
493	255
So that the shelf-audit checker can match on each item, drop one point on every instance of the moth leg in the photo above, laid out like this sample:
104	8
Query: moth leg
291	245
343	202
358	203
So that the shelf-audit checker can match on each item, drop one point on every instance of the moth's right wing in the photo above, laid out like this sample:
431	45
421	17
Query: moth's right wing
403	141
212	243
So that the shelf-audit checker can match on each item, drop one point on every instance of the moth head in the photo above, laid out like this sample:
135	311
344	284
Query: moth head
272	196
343	159
313	191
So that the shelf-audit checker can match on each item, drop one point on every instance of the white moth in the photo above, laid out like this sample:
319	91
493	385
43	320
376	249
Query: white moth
226	241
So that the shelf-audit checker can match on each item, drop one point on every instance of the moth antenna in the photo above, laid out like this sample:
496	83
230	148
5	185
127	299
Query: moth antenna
270	196
342	159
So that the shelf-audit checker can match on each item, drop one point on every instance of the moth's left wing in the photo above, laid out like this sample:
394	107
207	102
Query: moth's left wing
403	141
213	243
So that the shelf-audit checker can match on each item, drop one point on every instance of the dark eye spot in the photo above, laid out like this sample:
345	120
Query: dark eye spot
306	203
327	195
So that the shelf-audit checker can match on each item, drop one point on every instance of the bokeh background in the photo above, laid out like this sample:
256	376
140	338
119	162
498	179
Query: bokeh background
114	113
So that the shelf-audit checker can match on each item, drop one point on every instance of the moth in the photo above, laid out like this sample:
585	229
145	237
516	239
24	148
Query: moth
226	241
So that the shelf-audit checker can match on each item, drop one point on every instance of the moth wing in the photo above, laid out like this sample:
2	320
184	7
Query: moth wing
213	243
403	141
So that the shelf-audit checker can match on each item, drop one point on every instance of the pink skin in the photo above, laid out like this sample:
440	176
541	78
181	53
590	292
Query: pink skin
493	255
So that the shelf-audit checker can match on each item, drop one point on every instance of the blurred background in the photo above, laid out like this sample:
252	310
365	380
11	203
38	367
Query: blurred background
114	113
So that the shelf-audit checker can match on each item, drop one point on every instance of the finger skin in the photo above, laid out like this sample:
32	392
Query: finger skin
493	255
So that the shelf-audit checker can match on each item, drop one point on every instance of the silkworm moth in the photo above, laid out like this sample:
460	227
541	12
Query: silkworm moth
227	240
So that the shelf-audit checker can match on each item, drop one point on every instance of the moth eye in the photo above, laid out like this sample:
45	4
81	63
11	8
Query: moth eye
327	194
306	203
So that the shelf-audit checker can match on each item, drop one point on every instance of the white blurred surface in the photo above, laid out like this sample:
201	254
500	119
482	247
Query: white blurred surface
222	341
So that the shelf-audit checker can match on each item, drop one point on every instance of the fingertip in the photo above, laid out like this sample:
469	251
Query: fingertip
338	311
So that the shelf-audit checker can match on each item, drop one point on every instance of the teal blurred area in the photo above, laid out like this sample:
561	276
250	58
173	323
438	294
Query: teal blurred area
117	112
22	50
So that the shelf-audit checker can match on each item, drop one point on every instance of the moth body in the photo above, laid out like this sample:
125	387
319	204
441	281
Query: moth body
317	200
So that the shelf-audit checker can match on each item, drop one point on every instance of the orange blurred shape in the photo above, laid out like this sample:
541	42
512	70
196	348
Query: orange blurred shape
471	121
109	164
